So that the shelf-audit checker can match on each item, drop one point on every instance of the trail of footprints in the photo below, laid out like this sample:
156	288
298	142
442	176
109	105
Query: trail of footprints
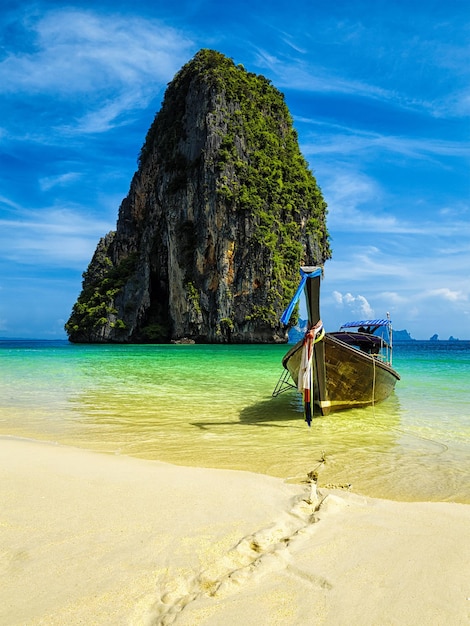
260	553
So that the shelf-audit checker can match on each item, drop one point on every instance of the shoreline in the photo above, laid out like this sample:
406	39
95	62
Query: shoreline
104	539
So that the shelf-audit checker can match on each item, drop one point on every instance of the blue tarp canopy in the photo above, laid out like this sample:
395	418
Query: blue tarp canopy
366	323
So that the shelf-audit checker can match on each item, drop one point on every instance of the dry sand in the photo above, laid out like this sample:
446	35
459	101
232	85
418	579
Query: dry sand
95	539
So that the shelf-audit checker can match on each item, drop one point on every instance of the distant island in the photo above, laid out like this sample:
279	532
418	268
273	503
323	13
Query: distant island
297	333
436	338
402	335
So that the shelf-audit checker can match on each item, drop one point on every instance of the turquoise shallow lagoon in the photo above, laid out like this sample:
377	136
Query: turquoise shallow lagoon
211	406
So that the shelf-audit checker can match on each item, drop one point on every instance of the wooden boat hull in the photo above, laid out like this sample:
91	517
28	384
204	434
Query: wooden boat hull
352	378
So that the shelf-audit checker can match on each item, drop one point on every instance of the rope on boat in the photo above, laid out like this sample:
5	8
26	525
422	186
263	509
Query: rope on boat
305	381
373	383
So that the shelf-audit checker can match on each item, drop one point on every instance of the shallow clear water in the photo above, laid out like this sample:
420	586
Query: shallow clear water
211	406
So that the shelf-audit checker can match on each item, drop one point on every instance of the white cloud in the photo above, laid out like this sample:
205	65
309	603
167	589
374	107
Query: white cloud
364	307
358	305
338	297
9	203
447	294
425	293
109	113
56	236
392	298
107	64
414	66
314	78
81	52
347	191
60	180
343	141
360	203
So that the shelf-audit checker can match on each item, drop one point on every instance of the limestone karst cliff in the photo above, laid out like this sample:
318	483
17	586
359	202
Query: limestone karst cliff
220	214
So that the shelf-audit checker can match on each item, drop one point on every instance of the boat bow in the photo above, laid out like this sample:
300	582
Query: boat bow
337	370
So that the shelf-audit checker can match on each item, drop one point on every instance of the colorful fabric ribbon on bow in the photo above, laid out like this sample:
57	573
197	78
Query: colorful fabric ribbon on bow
305	379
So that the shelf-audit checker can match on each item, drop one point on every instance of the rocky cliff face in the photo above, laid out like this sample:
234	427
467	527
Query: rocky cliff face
220	215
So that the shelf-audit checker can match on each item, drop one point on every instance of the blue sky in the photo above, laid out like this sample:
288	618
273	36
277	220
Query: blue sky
380	96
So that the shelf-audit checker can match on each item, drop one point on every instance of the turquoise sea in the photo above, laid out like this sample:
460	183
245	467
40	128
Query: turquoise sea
211	406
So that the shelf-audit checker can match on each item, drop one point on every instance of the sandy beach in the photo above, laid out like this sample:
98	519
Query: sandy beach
89	539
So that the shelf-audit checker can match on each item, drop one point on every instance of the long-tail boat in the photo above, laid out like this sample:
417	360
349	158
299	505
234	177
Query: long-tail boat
339	370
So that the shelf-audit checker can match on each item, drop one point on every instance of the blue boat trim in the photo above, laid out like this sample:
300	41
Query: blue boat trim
317	271
382	322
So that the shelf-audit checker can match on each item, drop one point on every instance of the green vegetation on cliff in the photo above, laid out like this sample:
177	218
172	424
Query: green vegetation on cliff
101	284
221	148
261	169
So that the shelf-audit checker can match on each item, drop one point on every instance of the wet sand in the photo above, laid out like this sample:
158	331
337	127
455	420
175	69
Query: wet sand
88	538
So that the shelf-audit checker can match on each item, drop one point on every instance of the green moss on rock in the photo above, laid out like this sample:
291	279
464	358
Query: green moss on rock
220	215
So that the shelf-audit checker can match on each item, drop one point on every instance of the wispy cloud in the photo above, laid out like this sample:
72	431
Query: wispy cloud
55	236
422	293
366	263
447	294
80	51
60	180
358	202
296	74
379	92
344	140
350	197
105	64
417	65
